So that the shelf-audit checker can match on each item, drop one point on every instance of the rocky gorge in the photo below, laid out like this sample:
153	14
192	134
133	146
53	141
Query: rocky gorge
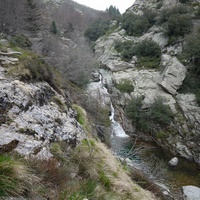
153	83
134	92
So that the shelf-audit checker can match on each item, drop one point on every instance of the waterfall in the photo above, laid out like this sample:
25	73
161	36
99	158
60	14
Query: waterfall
117	129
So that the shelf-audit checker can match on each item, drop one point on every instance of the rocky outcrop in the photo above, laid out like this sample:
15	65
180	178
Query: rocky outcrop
153	83
191	193
173	75
34	115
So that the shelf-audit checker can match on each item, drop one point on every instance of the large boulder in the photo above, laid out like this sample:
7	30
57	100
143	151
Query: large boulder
191	192
173	75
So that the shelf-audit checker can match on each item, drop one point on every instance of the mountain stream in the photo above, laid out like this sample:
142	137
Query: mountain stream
149	158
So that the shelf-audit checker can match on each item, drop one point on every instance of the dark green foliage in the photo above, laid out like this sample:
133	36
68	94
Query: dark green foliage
152	120
126	49
177	21
125	86
134	25
147	51
149	62
53	28
197	12
178	25
113	12
198	97
147	48
150	15
166	13
39	70
97	29
21	41
184	1
191	53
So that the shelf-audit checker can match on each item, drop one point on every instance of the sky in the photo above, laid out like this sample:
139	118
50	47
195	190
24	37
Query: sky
122	5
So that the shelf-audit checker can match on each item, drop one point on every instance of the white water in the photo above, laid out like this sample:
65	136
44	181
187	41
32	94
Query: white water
117	130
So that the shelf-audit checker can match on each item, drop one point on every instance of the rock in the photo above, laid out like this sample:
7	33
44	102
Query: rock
173	162
6	148
99	92
191	192
32	118
190	109
173	75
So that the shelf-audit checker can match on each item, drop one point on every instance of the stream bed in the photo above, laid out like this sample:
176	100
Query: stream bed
153	162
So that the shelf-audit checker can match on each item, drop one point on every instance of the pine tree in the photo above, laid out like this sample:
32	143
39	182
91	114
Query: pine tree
53	27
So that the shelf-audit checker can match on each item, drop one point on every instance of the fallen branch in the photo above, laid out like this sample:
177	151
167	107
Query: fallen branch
10	53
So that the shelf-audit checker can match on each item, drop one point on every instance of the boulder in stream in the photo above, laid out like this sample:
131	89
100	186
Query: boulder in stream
191	192
173	162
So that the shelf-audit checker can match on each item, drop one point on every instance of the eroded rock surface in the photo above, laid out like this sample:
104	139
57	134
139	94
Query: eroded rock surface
35	115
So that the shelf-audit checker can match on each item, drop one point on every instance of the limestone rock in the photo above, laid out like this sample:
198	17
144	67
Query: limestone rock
173	75
33	118
173	162
191	192
191	110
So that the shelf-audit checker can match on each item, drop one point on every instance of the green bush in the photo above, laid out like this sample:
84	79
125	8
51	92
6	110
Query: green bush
150	15
152	120
135	25
147	51
97	29
147	48
191	53
126	49
20	41
125	86
178	9
178	25
34	68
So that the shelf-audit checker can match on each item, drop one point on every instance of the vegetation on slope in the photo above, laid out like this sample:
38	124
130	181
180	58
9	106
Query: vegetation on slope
153	121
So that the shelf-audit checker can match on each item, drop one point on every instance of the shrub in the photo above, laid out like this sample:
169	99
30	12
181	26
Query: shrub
191	53
150	121
34	68
178	25
150	15
134	24
53	27
178	9
126	49
125	86
97	29
148	52
20	41
147	48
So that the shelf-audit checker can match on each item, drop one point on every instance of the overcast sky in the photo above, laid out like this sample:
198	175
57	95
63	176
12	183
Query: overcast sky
122	5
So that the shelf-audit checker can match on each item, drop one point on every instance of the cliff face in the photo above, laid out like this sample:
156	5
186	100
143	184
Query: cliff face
33	114
164	80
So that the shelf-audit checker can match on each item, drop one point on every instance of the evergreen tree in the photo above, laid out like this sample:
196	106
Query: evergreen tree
113	12
53	27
